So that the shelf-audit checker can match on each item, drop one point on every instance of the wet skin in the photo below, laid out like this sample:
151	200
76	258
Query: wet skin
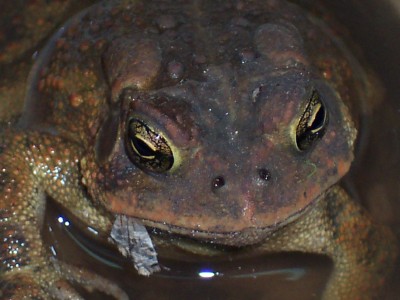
226	122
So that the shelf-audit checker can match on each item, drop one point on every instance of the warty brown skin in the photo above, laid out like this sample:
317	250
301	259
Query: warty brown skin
227	121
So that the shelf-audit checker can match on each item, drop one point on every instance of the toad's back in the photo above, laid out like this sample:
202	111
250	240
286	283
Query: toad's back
162	45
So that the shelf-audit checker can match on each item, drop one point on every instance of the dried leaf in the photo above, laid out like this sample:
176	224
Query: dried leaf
133	241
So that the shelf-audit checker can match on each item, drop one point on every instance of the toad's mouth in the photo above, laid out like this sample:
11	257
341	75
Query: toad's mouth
244	237
205	224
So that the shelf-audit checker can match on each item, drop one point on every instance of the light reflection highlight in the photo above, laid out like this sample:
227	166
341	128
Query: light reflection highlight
208	274
53	250
63	221
92	230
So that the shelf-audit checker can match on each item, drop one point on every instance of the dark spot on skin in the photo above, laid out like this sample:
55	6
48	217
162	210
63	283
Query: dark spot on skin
264	174
218	182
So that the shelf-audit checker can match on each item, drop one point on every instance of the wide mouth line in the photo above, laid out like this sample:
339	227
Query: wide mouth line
204	235
211	235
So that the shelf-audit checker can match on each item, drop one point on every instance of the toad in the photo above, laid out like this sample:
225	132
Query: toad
231	123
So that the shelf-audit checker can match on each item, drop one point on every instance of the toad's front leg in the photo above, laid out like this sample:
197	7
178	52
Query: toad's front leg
363	252
32	167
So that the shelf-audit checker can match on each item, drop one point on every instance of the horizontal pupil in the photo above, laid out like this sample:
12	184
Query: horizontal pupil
142	148
148	149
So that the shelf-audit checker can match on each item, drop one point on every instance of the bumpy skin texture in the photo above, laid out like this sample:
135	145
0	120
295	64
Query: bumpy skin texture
227	122
24	28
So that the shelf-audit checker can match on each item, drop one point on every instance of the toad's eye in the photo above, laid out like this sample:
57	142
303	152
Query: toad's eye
312	123
147	148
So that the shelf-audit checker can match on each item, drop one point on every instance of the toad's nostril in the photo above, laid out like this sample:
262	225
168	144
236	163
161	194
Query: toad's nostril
218	182
264	174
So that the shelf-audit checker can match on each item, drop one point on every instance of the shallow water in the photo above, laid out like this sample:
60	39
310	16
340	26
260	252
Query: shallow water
375	27
186	276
